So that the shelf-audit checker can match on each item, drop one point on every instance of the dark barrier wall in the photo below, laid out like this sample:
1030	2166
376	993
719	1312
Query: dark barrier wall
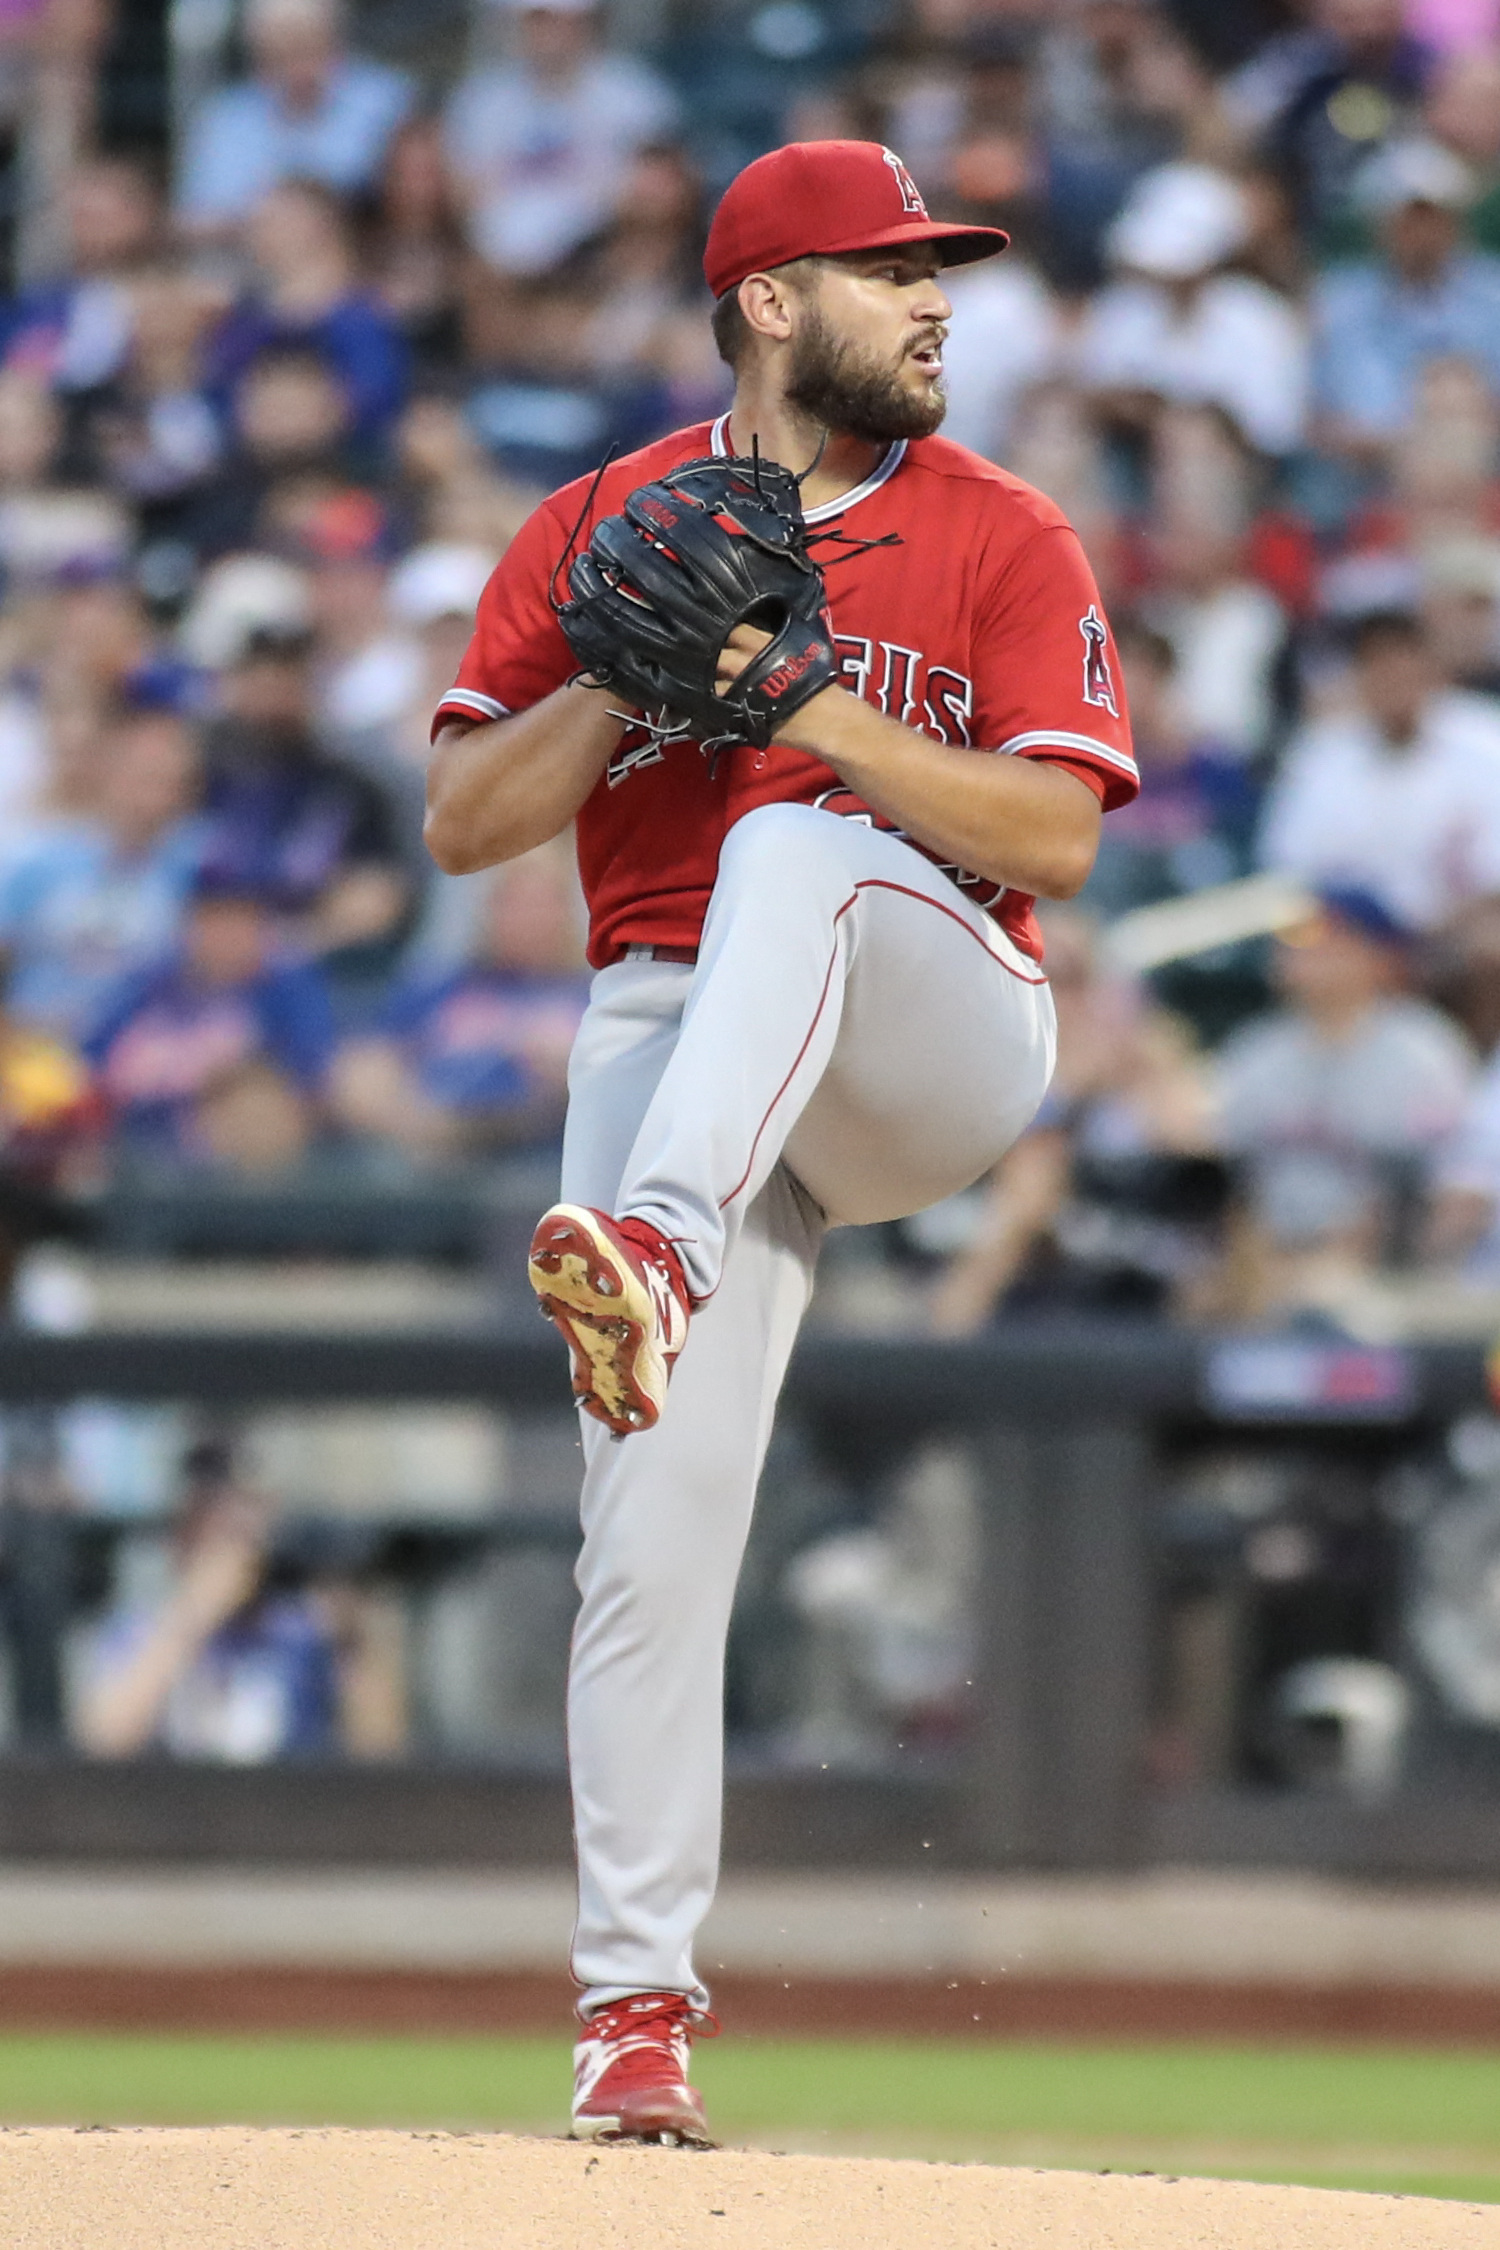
1068	1423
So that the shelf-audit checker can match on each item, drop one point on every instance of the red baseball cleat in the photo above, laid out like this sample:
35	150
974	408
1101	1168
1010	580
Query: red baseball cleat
630	2073
616	1290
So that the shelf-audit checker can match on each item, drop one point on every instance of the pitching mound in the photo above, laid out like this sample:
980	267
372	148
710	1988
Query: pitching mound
237	2190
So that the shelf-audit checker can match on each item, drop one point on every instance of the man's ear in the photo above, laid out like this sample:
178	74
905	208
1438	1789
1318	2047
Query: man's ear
765	301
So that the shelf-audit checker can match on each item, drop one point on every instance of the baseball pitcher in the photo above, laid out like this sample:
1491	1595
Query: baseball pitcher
830	701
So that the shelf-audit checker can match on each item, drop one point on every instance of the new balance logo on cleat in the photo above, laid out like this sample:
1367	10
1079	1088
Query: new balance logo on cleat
614	1289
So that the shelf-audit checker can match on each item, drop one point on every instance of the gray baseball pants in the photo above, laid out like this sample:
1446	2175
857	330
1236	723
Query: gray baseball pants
856	1041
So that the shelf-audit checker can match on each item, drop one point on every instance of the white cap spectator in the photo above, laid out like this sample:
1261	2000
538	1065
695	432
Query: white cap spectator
444	579
239	597
1415	171
1179	221
1173	326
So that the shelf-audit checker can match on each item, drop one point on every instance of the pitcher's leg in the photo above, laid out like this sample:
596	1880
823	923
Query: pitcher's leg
943	1055
757	1031
665	1518
839	970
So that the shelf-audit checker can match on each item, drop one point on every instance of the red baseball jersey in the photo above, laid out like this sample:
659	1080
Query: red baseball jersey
980	625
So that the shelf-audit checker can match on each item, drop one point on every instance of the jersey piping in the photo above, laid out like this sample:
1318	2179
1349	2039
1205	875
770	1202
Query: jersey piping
881	474
1057	738
472	700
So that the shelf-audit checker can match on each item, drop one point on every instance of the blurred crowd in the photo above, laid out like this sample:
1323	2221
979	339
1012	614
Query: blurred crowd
277	388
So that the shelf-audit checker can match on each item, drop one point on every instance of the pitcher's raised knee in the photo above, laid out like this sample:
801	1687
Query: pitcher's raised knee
794	845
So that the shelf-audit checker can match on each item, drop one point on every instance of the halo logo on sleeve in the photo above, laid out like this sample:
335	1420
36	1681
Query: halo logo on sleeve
1098	681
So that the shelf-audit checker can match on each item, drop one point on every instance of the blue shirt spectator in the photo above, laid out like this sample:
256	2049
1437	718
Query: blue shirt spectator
285	819
1379	322
308	296
75	327
310	111
262	1687
225	1664
84	904
474	1055
220	1054
482	1038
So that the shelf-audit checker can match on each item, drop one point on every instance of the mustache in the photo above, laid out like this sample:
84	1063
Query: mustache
933	337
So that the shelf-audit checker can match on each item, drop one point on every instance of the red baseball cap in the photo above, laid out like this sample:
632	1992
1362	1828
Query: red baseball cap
816	198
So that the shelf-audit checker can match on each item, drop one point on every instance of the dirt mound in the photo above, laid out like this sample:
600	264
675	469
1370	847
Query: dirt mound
228	2189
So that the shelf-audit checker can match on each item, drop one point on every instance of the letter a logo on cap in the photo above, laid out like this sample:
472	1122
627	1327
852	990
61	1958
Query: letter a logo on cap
911	199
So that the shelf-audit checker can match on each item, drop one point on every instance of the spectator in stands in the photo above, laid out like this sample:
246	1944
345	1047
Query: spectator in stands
1463	1231
1229	631
1463	112
474	1058
540	401
1380	321
1175	326
31	432
99	623
432	595
309	111
308	295
1460	583
645	271
74	329
51	533
290	430
1338	1104
85	904
219	1056
65	784
368	666
447	486
150	428
1110	1200
233	1663
1315	98
414	248
427	610
1116	91
1005	337
1398	795
304	831
1441	493
1056	444
1192	823
540	142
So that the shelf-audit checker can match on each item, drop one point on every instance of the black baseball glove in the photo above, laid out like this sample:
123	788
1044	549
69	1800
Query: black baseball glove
661	586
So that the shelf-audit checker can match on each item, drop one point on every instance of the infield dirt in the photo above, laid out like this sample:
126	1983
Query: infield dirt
233	2189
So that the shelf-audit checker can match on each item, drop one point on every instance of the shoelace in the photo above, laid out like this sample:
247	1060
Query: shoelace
635	2039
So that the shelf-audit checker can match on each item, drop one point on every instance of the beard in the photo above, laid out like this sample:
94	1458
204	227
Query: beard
847	390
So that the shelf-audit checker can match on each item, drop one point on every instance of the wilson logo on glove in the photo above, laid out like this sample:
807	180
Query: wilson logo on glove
788	674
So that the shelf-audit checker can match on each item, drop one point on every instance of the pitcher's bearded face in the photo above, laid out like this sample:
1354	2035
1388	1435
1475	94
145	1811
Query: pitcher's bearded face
867	354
